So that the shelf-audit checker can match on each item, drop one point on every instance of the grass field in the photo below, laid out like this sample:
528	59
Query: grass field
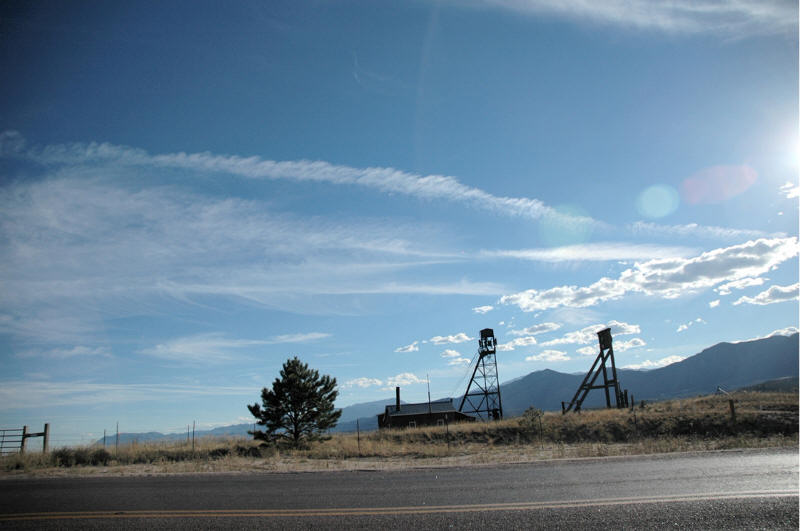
702	423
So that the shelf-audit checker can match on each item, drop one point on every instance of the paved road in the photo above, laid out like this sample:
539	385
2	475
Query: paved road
739	489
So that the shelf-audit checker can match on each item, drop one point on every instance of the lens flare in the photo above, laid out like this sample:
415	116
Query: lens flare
657	201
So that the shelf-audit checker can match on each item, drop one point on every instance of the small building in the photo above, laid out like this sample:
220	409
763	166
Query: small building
436	413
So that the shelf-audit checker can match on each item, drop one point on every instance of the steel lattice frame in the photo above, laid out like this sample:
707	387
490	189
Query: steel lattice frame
484	400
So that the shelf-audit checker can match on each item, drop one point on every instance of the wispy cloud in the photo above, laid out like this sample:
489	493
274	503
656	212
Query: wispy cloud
483	309
713	304
79	351
214	347
648	364
203	348
17	394
772	295
728	19
594	252
667	278
386	180
79	250
694	230
299	338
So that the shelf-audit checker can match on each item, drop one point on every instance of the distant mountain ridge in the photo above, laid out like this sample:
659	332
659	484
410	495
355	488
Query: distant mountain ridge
728	365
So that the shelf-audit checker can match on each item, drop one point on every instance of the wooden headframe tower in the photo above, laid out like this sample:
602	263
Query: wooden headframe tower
482	397
600	366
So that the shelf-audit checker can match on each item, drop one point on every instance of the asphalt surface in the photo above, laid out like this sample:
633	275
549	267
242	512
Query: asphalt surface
746	489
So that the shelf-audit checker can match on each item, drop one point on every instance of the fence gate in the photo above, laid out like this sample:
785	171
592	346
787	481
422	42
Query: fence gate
12	441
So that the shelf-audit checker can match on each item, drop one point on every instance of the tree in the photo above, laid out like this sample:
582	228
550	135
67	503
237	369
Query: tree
298	408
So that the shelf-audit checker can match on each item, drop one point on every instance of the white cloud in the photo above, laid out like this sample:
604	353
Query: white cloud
695	230
588	351
450	353
667	278
634	342
772	295
588	334
362	383
598	252
536	329
457	338
727	19
459	361
483	309
713	304
663	362
725	289
518	342
549	355
686	326
454	357
790	190
405	378
408	348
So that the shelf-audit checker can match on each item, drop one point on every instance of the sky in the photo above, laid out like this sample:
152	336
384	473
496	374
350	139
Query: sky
193	192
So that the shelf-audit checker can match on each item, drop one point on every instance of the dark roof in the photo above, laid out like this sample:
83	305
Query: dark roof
442	406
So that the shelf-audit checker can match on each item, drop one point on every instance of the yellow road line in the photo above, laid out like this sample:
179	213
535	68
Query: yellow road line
409	510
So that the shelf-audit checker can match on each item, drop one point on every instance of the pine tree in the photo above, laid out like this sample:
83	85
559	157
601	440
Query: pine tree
298	408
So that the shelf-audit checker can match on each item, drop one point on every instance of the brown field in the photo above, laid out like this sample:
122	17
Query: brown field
693	424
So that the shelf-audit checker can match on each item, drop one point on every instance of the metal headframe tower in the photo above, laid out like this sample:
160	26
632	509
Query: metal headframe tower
600	366
482	397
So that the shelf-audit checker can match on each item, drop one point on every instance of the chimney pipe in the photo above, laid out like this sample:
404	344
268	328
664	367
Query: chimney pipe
397	402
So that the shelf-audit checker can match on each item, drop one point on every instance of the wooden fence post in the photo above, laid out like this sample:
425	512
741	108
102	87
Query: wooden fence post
46	443
358	435
24	438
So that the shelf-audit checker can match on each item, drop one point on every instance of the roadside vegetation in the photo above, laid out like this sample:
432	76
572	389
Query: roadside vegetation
702	423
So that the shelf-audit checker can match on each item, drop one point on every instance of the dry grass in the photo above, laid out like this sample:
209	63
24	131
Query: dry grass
696	424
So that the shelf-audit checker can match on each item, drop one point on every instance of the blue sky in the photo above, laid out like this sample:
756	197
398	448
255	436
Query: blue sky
190	194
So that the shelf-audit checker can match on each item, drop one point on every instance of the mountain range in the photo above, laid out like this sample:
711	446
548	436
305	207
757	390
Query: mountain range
727	365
